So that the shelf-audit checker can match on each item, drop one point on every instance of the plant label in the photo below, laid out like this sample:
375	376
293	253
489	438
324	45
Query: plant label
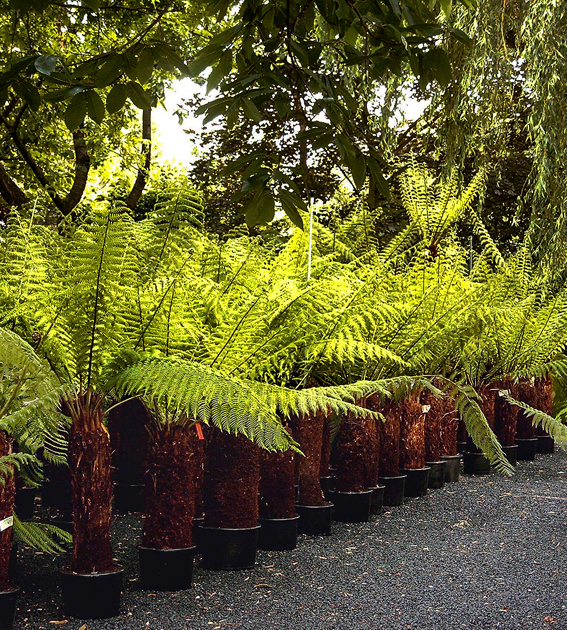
6	522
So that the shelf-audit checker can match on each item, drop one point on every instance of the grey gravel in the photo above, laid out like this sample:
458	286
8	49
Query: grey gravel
488	552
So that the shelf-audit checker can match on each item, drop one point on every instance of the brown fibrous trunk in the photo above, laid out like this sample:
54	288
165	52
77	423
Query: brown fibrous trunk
325	447
277	487
505	414
373	403
7	498
412	434
172	465
232	475
353	451
544	388
390	440
441	425
91	486
526	393
308	432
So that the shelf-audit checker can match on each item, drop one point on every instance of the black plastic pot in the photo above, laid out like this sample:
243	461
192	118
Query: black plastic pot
327	485
545	444
511	453
25	503
394	489
129	497
476	464
228	549
278	534
315	519
452	467
527	449
8	599
92	595
377	502
417	481
461	447
352	507
166	569
436	474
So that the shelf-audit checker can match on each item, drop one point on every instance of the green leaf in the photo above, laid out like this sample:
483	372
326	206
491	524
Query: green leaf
116	98
28	92
260	210
76	111
46	64
110	70
438	62
250	110
138	95
290	203
357	166
95	106
254	182
446	6
378	178
63	94
145	65
221	70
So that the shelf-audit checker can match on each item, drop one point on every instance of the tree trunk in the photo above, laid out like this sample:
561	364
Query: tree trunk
390	440
526	393
308	432
544	388
440	426
170	493
353	454
231	481
373	403
505	415
326	447
277	491
91	486
412	434
7	498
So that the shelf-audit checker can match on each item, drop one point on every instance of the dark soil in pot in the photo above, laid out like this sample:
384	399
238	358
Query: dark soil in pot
308	432
412	435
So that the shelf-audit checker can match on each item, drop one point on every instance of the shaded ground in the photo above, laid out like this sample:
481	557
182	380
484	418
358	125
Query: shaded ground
487	552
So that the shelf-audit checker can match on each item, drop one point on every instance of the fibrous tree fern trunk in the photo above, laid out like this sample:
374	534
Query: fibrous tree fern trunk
544	388
170	493
277	491
526	393
326	447
308	432
231	482
7	497
390	440
438	408
90	467
354	452
449	431
505	414
412	434
487	395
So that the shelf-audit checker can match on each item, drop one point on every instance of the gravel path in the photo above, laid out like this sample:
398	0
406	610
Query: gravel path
488	552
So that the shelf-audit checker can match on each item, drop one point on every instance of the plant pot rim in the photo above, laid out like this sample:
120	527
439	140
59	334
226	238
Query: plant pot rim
457	456
368	491
509	446
327	504
11	588
416	469
528	439
376	487
394	477
229	529
440	461
117	568
280	520
165	550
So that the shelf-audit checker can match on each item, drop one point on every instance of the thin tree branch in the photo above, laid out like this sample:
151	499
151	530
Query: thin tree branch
144	170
